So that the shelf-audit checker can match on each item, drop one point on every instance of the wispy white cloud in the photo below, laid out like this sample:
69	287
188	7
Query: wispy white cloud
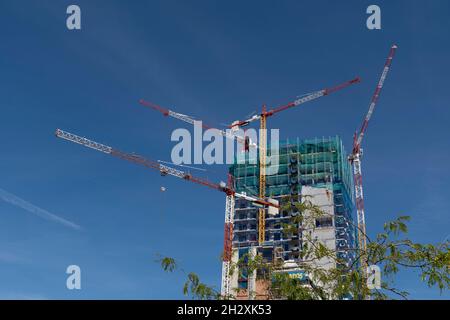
6	257
18	202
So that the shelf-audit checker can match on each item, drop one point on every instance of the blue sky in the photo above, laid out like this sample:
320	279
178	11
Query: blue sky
218	61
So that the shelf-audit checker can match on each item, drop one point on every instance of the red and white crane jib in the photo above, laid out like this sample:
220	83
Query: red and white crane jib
163	169
305	98
190	120
357	142
83	141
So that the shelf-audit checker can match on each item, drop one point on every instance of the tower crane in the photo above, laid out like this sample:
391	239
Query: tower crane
230	196
263	140
355	160
188	119
163	169
166	170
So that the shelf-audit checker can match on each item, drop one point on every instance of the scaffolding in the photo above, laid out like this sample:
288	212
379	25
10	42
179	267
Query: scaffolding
319	163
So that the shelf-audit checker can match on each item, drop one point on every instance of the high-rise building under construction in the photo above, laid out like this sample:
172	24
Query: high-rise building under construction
317	170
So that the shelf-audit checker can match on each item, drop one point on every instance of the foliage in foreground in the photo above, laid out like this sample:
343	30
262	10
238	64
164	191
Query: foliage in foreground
390	250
